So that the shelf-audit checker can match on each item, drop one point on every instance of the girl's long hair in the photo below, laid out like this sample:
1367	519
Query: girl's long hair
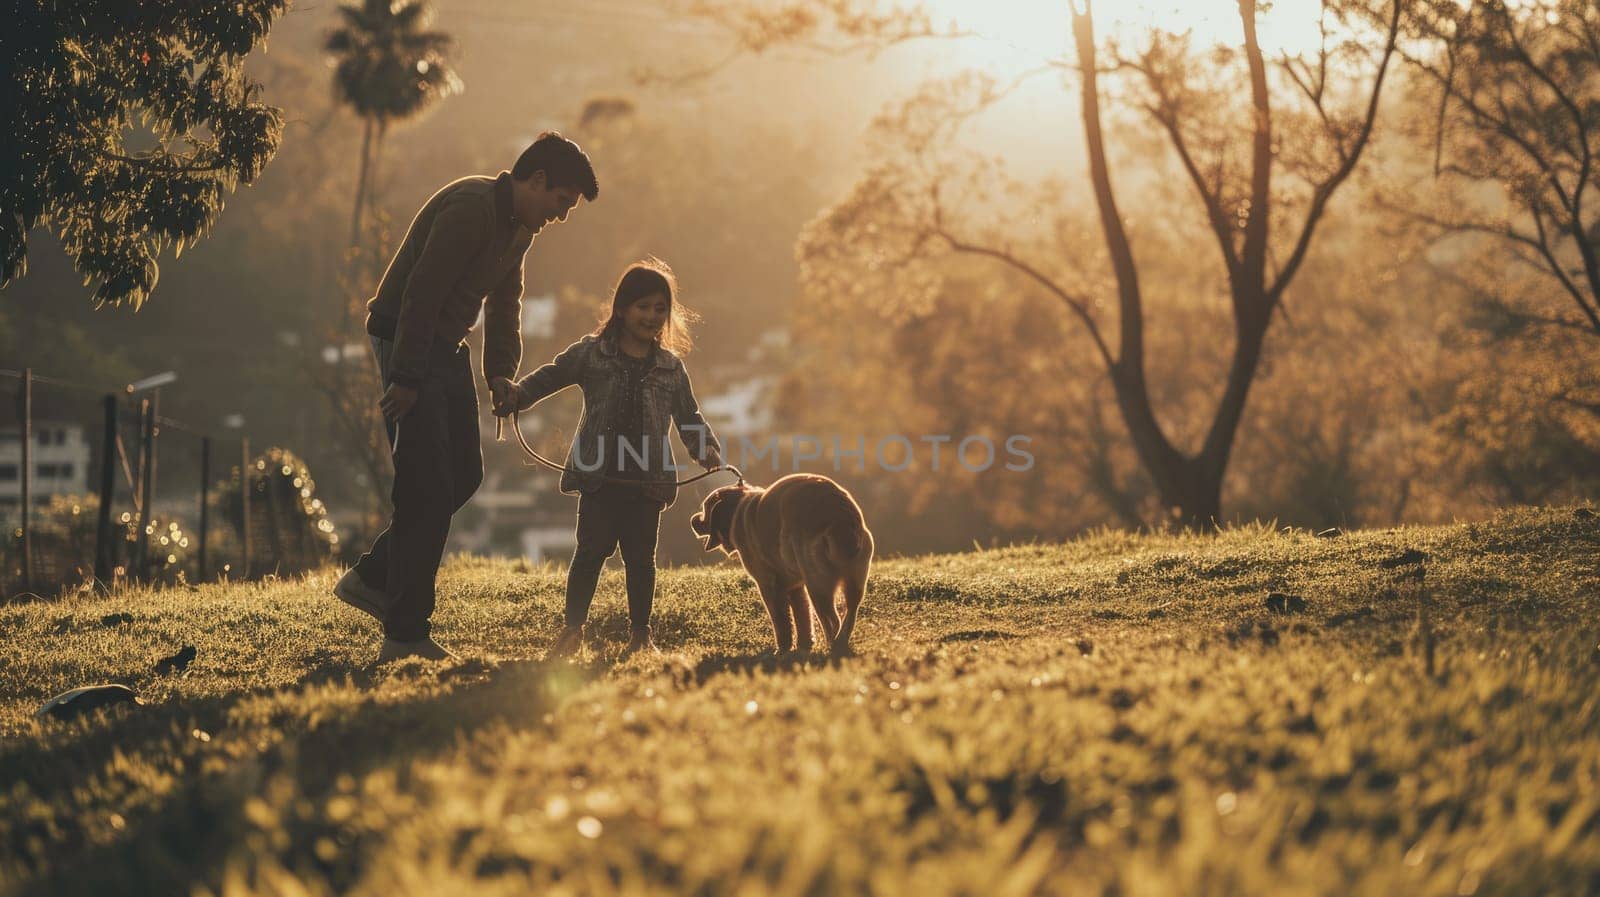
641	279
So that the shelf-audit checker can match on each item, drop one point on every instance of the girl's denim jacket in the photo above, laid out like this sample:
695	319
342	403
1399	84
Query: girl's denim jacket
593	365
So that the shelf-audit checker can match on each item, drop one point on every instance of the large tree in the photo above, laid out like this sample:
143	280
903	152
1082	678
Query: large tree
1263	142
1239	204
1517	88
126	126
388	68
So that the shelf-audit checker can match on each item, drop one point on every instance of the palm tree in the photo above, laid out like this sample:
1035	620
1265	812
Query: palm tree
389	68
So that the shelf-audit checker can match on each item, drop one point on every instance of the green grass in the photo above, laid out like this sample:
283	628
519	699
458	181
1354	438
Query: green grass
1117	715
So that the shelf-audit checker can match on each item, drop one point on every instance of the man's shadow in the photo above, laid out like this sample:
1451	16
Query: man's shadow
184	838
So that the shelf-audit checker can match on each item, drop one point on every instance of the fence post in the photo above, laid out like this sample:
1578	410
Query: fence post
27	478
103	553
205	491
244	497
141	545
151	434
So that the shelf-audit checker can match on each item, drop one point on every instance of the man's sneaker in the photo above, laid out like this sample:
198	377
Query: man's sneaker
639	642
567	643
425	648
354	591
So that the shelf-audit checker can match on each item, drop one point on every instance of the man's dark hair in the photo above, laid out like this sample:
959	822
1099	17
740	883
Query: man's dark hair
564	164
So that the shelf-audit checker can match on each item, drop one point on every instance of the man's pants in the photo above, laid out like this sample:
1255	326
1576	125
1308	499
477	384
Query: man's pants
438	464
609	516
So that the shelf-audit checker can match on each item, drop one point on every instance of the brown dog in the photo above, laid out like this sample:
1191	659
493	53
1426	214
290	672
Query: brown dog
803	534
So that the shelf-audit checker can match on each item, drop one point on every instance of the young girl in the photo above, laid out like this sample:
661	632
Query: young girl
635	389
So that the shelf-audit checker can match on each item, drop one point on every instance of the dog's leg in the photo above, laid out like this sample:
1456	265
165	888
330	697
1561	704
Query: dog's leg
822	582
802	617
855	587
772	595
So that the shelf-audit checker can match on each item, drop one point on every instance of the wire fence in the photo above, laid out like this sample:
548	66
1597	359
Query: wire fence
97	488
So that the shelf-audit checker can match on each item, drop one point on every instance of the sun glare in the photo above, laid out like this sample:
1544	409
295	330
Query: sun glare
1015	35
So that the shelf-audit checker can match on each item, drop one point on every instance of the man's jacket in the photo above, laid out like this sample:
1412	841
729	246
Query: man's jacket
464	245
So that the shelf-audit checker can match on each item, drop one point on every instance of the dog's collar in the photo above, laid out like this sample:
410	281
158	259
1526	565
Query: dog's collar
725	536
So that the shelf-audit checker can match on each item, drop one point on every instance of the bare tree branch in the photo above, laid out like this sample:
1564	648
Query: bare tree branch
1130	304
800	24
644	75
1448	227
1323	193
1077	304
1525	80
1314	86
1253	254
1166	112
1561	96
1560	273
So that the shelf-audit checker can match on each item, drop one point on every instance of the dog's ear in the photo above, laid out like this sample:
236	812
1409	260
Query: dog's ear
717	515
701	523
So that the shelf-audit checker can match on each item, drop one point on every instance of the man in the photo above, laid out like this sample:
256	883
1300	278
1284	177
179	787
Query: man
466	244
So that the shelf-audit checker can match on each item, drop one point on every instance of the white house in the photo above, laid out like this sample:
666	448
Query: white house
539	316
743	408
516	511
60	458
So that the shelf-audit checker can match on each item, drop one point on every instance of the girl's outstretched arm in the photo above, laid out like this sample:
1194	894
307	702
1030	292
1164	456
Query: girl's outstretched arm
692	427
551	378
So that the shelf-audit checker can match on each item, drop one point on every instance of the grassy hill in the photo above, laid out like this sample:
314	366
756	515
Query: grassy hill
1118	715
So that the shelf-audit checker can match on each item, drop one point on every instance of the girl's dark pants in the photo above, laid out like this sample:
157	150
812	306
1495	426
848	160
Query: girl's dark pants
607	517
438	464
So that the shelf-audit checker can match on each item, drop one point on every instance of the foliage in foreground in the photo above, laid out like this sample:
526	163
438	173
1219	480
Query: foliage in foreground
1120	714
87	79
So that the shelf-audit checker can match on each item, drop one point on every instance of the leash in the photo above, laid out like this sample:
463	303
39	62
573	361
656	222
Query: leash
516	428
